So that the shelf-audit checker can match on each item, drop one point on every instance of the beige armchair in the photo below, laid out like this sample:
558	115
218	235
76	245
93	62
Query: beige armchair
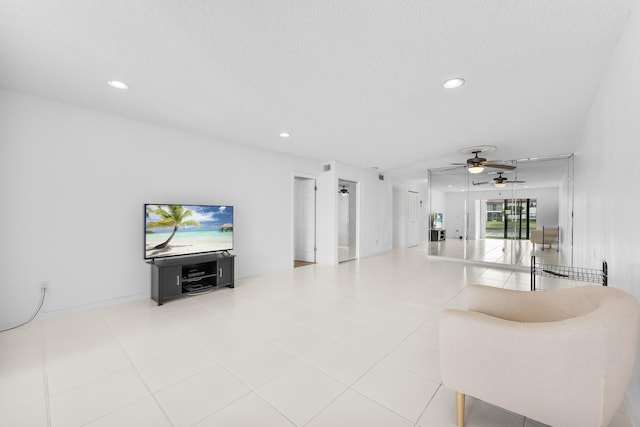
562	357
546	236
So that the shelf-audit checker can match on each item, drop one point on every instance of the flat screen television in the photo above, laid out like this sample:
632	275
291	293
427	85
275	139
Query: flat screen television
178	230
436	221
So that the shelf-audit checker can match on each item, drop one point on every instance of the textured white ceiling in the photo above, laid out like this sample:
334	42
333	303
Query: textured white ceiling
358	81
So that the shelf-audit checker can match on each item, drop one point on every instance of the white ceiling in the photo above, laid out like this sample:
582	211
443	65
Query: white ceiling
358	81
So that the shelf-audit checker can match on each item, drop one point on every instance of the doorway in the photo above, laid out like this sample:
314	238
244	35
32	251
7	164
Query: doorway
347	220
413	226
304	221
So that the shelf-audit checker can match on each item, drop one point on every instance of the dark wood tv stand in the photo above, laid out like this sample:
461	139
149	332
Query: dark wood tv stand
172	277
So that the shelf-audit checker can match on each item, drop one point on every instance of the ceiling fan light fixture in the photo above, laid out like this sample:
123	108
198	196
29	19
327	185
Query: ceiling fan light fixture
475	169
500	184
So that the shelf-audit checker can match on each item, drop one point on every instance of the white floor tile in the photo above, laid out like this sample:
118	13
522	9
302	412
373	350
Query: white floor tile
302	342
417	357
398	389
417	308
96	399
198	322
196	398
22	380
378	343
83	365
361	311
334	325
342	362
266	325
353	409
301	393
30	415
259	364
220	342
25	340
308	312
428	334
174	367
249	410
395	322
143	413
151	341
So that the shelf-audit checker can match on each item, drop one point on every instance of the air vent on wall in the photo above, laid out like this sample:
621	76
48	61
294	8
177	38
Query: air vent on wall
381	177
326	167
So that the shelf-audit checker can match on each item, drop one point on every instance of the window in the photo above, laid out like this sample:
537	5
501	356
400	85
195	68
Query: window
510	218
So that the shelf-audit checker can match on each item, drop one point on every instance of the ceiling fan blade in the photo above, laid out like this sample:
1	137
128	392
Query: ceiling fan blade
499	166
479	183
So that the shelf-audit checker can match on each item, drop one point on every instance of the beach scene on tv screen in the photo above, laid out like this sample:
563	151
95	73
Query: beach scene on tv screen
172	230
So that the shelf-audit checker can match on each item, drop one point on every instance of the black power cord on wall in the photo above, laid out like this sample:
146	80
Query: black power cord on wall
44	292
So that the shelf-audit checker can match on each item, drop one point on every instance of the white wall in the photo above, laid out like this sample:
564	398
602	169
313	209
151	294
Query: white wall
399	219
73	184
327	218
375	210
606	184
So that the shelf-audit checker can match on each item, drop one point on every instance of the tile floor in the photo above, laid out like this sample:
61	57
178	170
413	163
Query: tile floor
499	251
349	345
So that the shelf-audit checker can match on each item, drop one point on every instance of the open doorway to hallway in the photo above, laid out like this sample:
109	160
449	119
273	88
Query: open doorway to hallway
347	220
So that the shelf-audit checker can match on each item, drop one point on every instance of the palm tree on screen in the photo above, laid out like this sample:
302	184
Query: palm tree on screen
174	216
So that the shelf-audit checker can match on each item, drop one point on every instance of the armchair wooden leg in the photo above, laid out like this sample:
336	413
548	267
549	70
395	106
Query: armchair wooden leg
460	408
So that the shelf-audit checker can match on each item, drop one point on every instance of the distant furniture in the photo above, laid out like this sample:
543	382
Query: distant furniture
561	357
546	236
437	235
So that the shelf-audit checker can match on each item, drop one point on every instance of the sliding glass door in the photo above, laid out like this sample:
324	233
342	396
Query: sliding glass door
510	218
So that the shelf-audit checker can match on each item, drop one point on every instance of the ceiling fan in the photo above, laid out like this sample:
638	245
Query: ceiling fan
500	181
477	164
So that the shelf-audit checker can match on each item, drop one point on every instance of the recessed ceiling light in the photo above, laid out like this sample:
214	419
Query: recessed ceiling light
118	84
285	135
454	83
